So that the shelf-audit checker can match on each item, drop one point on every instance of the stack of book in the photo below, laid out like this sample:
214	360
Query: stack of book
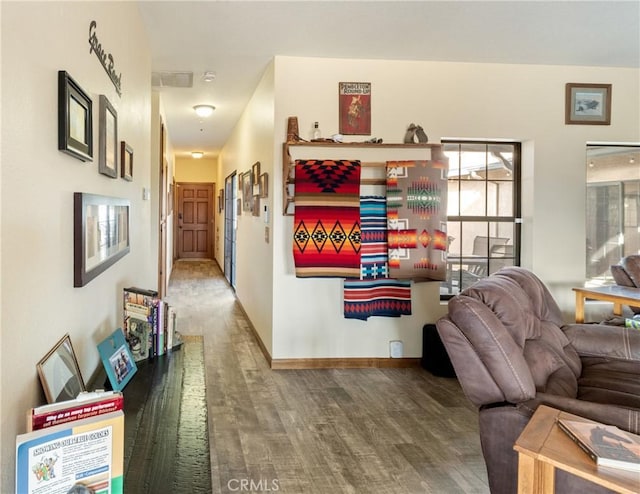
607	445
77	442
149	324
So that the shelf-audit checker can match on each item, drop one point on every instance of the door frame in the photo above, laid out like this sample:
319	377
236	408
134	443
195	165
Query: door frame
210	225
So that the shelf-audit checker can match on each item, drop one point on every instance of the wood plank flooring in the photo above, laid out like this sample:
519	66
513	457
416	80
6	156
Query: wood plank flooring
320	431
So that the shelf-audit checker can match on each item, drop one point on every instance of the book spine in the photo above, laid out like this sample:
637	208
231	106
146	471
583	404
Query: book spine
81	411
154	326
577	440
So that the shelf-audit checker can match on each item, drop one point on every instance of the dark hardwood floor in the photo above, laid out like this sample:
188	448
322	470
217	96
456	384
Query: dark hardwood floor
300	431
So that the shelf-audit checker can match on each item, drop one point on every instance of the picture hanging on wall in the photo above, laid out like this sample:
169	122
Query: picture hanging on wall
247	196
264	185
75	119
108	139
587	104
355	108
126	161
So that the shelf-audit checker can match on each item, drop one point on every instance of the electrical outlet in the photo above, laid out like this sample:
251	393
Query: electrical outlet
395	349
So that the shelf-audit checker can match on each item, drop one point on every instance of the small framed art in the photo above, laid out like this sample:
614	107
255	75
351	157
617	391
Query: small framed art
264	185
354	106
108	139
75	119
587	104
117	360
247	189
126	161
59	372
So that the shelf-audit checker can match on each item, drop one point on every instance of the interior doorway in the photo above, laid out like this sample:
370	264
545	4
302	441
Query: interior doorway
230	227
195	221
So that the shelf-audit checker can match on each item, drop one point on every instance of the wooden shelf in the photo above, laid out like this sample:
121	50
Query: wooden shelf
288	163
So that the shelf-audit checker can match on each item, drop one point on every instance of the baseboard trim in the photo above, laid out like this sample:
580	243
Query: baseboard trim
328	363
344	363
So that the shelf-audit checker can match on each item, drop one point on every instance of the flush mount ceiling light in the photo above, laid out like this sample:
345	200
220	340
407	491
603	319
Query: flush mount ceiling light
209	76
197	154
204	110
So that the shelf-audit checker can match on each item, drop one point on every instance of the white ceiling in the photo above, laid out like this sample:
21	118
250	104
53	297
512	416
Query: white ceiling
237	39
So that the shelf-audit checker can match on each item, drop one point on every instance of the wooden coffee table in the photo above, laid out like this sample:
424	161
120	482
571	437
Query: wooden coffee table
617	294
542	447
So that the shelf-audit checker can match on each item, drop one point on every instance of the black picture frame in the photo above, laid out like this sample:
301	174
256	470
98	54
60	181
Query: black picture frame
108	139
75	119
100	234
126	161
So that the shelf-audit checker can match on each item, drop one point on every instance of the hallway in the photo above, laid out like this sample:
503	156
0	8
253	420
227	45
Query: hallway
320	431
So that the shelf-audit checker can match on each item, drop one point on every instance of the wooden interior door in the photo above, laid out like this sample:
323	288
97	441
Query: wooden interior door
195	220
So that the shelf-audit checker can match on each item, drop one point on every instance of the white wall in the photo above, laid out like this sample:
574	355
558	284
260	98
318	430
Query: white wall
39	303
253	140
466	100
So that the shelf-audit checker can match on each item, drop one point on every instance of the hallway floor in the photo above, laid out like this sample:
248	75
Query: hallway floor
320	431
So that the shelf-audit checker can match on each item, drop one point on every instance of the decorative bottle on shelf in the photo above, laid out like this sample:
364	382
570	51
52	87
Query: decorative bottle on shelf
316	131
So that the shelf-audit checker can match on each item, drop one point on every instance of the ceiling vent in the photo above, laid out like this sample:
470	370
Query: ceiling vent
172	79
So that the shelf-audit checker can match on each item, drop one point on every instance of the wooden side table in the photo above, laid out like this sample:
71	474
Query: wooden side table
542	447
618	295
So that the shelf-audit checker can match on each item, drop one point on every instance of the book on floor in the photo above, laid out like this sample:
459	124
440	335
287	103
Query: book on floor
87	404
88	452
607	445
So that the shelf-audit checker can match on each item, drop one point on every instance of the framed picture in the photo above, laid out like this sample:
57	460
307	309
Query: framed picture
117	360
239	207
59	372
354	107
100	234
108	139
126	161
264	185
255	206
255	178
75	119
220	200
587	104
247	195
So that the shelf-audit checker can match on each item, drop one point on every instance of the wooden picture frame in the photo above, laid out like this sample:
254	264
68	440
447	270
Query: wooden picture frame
264	185
247	189
75	119
220	200
354	108
108	139
587	104
126	161
100	234
59	372
255	178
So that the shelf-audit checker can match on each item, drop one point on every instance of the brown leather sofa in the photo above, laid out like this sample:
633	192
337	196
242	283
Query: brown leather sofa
511	352
627	273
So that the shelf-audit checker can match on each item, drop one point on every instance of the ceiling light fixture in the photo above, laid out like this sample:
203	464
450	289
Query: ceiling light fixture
209	76
197	154
204	110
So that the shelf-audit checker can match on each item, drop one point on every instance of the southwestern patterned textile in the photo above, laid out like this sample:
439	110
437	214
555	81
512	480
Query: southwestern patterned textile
326	237
417	219
374	294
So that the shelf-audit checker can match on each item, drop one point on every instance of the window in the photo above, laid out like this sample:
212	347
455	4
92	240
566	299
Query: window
483	211
612	208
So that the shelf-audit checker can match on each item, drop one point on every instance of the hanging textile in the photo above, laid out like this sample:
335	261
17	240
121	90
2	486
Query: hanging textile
326	238
374	294
417	219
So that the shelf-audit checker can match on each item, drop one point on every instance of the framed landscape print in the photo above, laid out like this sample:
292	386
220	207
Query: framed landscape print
100	234
354	100
75	119
108	139
587	104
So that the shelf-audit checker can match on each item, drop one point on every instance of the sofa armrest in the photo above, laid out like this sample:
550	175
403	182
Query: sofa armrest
599	340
